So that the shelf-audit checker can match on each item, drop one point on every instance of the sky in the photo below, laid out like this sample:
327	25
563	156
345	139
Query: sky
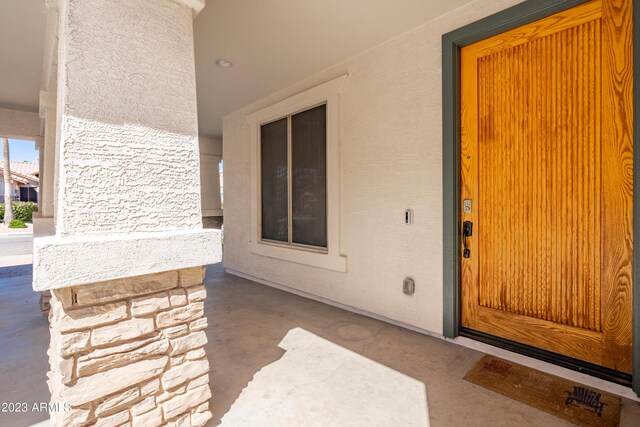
20	151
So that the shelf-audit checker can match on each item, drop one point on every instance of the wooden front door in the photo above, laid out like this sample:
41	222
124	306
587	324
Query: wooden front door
547	169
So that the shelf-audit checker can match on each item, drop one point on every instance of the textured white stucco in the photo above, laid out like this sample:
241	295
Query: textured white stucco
72	261
127	168
390	160
129	157
133	178
19	124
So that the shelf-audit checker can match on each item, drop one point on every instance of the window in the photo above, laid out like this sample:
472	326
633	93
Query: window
28	194
293	176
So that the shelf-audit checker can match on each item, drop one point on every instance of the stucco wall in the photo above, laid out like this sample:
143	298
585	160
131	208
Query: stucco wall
391	160
15	189
128	130
210	157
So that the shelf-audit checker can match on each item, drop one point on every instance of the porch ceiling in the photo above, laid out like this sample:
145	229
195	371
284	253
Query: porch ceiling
276	43
272	44
22	32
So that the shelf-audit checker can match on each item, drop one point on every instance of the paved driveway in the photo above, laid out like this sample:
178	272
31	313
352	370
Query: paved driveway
15	255
16	245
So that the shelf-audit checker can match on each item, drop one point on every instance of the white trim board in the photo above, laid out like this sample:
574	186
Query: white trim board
529	362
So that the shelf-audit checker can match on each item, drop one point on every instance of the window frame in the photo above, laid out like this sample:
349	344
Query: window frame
290	242
329	257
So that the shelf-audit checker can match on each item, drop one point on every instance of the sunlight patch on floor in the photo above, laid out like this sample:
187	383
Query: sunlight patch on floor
319	383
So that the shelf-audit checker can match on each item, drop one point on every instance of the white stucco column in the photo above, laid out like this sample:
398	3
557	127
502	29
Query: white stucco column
210	157
125	262
43	222
39	143
127	158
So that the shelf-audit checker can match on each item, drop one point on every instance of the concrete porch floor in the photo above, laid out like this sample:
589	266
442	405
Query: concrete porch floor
247	321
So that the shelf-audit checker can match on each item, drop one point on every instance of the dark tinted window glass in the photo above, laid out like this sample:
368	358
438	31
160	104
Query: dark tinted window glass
273	171
309	180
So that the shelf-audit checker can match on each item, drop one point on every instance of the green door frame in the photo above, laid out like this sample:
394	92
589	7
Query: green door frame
518	15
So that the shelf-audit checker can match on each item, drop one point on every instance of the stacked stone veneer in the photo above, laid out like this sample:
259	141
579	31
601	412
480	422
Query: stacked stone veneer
130	352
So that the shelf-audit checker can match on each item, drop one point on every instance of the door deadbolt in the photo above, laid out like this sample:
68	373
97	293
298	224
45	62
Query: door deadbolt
466	206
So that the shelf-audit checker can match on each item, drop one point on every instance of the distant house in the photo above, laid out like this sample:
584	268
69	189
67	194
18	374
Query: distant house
24	181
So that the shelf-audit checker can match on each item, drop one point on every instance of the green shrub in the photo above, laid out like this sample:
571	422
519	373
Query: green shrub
24	210
16	223
21	210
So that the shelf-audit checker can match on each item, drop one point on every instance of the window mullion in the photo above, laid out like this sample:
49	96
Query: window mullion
289	184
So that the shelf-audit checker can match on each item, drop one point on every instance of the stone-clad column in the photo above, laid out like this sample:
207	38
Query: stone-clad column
125	265
130	351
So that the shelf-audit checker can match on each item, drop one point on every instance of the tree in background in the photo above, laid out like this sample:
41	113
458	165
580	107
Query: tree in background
8	211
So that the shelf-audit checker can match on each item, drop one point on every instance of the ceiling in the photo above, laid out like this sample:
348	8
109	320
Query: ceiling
22	32
272	44
276	43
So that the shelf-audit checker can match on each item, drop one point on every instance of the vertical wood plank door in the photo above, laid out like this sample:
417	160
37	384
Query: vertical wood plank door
547	161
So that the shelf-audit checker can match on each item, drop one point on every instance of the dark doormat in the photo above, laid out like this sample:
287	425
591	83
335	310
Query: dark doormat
574	402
